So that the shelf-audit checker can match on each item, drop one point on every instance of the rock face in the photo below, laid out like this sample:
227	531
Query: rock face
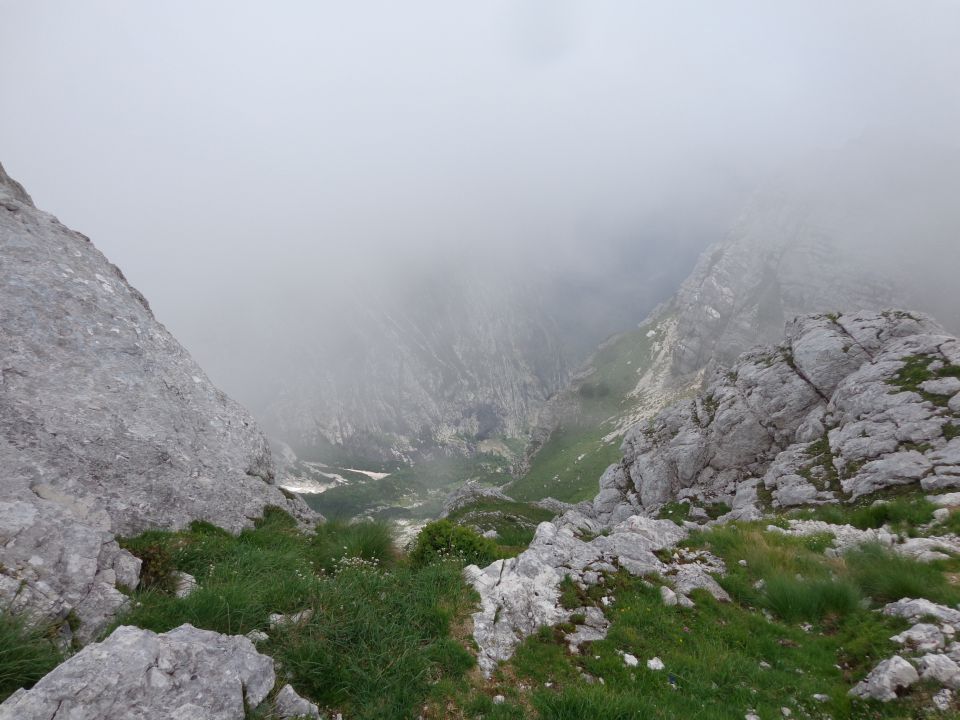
776	264
448	365
521	594
186	673
779	261
847	405
835	412
107	426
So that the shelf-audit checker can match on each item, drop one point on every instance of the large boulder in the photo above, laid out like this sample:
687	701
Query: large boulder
107	426
183	674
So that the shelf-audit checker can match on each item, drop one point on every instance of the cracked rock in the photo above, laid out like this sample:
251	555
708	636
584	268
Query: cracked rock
185	673
886	679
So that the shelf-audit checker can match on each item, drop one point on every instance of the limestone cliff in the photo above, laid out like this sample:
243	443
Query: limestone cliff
107	426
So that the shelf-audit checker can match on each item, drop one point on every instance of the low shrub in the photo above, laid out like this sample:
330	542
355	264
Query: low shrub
442	539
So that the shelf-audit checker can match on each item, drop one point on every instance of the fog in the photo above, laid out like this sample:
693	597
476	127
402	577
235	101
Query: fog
258	170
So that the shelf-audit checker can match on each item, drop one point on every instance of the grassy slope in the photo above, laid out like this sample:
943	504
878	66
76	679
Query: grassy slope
380	634
809	628
515	522
569	464
390	640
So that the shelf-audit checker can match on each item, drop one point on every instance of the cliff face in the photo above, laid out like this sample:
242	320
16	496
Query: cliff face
107	426
449	365
780	261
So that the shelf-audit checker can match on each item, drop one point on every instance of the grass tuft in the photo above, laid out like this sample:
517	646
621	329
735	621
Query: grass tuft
26	654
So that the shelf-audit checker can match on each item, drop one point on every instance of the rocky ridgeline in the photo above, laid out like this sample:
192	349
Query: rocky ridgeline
847	406
107	427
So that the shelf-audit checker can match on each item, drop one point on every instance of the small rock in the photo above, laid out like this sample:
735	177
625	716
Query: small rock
751	716
886	679
257	636
290	705
630	660
786	712
277	619
941	386
655	664
668	596
183	584
941	669
943	699
764	665
941	514
821	698
922	636
742	563
499	699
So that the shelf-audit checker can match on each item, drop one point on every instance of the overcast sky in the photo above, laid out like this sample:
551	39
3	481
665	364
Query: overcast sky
218	151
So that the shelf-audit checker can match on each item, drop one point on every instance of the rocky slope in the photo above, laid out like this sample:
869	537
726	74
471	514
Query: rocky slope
780	260
847	406
107	427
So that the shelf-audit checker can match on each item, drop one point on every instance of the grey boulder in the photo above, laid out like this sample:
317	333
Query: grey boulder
183	674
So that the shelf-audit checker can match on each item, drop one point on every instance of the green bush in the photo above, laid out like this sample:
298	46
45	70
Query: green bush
26	655
443	539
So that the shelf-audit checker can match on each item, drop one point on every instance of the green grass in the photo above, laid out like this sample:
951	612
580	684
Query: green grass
26	654
916	370
902	514
571	461
568	466
713	655
515	522
412	491
377	641
886	577
380	634
723	659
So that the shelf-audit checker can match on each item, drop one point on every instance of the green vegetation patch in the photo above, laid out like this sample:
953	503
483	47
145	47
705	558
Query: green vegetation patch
26	654
381	633
444	540
916	371
903	514
514	522
570	463
415	491
800	624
